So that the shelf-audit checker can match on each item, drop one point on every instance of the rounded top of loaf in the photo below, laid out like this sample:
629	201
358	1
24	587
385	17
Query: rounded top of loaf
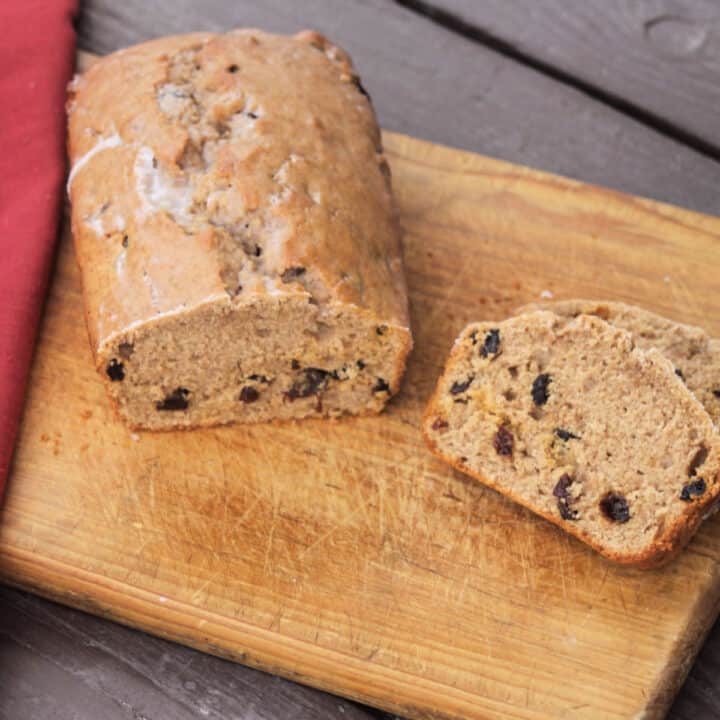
224	167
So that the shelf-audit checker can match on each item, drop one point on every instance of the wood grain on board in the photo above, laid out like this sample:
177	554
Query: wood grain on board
416	97
432	83
660	56
342	554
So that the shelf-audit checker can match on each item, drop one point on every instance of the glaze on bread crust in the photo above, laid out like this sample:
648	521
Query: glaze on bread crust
568	418
235	230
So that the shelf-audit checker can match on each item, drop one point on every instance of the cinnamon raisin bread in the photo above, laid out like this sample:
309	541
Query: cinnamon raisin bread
235	230
570	419
694	354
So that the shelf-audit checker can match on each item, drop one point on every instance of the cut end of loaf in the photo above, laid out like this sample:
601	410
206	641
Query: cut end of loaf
569	419
272	358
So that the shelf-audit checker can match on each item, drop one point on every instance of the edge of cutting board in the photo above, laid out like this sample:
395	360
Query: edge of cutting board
402	692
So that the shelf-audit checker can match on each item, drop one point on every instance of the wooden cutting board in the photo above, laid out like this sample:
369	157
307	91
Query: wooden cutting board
342	554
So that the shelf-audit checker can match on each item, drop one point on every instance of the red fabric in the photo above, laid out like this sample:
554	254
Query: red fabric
36	56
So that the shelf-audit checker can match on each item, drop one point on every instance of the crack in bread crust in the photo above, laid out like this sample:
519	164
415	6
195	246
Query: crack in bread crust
231	214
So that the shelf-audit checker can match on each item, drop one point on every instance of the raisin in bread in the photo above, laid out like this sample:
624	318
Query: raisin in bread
235	230
570	419
694	354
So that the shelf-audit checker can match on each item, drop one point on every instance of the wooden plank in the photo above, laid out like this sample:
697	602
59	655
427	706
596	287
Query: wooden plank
662	56
343	554
429	82
63	664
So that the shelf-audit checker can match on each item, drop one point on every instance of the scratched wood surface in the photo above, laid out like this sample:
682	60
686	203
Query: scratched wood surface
460	90
342	554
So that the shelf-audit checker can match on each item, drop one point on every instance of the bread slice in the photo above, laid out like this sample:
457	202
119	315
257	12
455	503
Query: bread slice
235	230
694	354
570	419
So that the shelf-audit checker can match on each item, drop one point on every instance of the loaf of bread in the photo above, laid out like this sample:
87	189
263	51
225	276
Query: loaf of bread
695	355
235	230
570	419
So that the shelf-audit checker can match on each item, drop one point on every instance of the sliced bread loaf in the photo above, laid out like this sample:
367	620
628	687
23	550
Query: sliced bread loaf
570	419
234	226
694	354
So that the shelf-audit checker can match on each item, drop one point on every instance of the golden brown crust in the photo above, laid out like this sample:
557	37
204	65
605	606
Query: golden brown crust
661	551
229	170
311	161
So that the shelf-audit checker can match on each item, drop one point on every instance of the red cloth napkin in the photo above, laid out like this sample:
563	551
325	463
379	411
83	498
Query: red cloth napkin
37	53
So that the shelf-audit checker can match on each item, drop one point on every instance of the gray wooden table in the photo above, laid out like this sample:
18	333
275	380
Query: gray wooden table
624	93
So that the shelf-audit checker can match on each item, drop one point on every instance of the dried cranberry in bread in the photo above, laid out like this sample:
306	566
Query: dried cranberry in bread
234	225
570	419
